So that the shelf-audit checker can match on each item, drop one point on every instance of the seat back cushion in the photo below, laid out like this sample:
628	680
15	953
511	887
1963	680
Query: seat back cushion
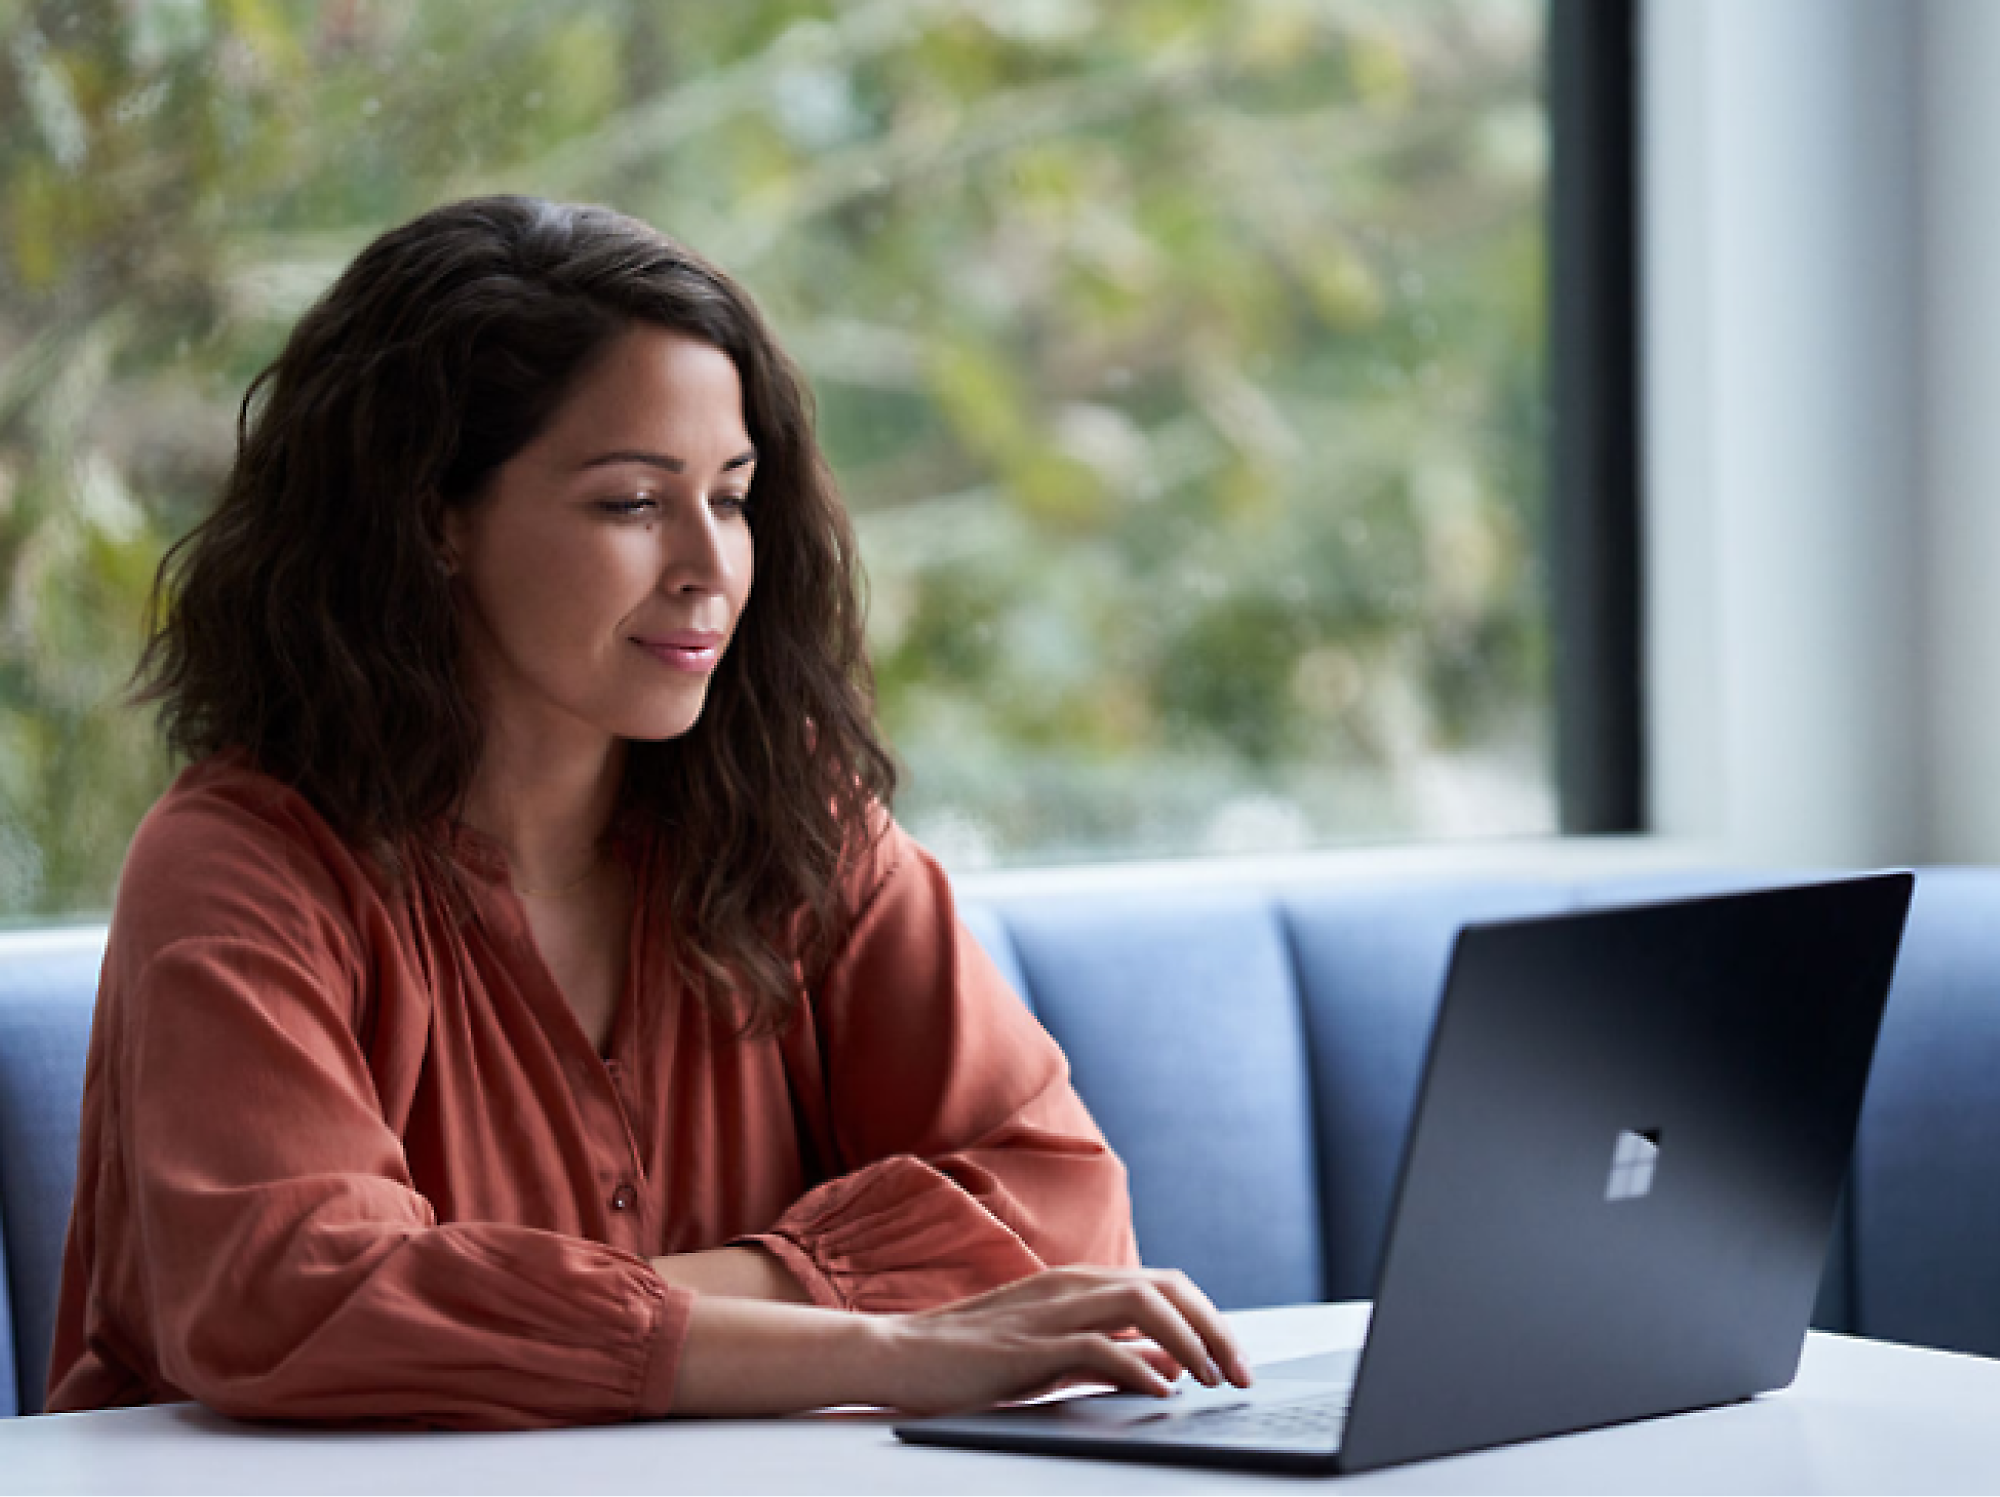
1181	1022
48	986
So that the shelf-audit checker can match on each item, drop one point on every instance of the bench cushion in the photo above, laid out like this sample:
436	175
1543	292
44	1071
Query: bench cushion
47	987
1181	1022
1254	1055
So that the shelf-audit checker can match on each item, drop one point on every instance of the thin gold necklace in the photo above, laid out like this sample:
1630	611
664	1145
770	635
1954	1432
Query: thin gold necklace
596	862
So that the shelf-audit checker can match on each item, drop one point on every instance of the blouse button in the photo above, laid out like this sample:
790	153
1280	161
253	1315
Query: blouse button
623	1198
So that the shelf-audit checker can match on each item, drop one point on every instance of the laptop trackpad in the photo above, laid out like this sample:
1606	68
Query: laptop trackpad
1126	1410
1327	1367
1115	1409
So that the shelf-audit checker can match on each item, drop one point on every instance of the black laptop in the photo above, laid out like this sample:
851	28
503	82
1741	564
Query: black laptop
1615	1200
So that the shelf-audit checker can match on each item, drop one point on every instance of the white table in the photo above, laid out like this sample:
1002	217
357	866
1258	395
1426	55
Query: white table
1864	1416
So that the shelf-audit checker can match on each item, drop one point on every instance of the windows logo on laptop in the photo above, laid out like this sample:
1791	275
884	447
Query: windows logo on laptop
1632	1161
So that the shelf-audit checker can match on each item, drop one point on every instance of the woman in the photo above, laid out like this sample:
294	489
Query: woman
523	1010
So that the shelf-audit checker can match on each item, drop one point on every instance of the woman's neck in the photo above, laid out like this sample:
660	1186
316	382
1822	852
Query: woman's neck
548	804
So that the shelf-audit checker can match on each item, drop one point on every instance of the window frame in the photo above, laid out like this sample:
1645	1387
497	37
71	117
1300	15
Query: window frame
1595	451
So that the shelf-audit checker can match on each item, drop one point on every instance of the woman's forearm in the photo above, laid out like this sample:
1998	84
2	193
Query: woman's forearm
733	1273
744	1358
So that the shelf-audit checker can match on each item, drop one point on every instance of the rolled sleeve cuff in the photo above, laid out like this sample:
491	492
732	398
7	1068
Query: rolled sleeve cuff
666	1337
898	1235
820	1289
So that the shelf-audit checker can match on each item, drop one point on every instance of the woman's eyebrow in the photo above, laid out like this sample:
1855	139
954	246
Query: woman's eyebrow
661	460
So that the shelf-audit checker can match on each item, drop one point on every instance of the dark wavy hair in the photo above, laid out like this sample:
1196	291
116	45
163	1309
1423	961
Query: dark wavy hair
308	624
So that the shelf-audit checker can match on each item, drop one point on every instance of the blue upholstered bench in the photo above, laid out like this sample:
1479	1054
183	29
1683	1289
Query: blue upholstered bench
1252	1048
48	981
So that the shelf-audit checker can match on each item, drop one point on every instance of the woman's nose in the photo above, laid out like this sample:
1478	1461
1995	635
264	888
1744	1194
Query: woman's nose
697	553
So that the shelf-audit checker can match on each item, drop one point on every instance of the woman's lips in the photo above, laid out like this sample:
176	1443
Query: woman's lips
689	650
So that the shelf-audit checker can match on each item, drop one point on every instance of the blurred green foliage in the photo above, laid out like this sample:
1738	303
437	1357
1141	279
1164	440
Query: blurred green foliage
1181	360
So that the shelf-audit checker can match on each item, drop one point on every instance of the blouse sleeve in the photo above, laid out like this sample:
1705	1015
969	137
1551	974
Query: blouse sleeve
289	1268
972	1160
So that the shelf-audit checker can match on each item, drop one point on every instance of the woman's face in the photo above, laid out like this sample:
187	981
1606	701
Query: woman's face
601	573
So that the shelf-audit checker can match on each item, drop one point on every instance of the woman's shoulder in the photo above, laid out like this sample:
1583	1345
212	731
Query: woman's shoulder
879	854
230	853
223	815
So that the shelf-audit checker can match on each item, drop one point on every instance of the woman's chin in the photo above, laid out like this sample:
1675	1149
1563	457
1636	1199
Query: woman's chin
663	726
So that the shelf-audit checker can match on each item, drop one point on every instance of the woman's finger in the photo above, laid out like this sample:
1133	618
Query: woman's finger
1151	1304
1119	1363
1158	1358
1208	1323
1156	1315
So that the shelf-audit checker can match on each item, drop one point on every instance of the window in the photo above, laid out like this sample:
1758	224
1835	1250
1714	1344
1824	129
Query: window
1182	360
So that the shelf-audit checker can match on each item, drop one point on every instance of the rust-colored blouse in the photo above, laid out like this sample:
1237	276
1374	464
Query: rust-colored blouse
347	1155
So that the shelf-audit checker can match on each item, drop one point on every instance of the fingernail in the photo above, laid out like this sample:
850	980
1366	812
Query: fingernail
1210	1374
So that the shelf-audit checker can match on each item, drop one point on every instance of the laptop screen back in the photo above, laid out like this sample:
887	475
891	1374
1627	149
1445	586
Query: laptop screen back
1618	1192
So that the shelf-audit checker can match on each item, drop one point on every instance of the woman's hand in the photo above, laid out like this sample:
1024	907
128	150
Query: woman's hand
1134	1328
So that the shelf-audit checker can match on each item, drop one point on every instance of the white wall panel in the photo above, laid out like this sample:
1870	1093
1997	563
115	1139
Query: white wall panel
1785	542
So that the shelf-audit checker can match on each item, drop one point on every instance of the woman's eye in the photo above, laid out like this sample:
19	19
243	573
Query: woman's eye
632	505
734	503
